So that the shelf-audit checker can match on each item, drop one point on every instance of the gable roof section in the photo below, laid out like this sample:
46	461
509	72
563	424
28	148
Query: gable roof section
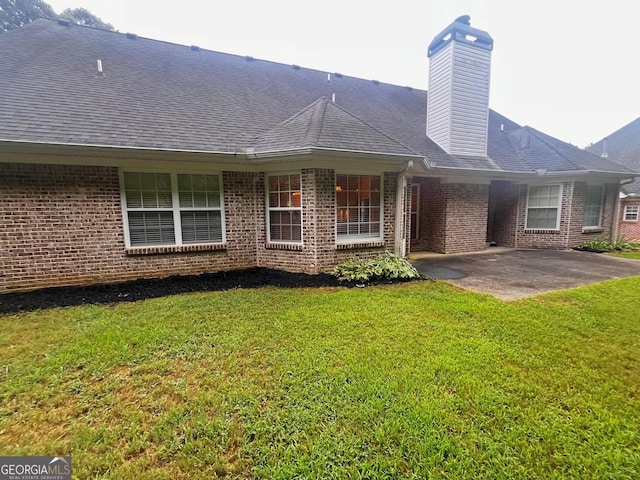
541	151
325	125
158	95
623	147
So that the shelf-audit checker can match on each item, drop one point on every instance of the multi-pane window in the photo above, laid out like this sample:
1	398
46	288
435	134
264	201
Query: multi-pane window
593	206
631	213
200	212
358	211
543	207
285	208
415	205
172	209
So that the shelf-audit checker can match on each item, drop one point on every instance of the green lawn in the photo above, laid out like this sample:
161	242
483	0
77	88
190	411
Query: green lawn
635	255
417	380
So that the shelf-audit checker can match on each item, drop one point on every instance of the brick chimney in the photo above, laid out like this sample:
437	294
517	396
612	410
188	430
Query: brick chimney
458	96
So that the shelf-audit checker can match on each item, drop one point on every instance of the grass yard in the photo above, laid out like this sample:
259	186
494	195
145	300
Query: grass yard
417	380
634	255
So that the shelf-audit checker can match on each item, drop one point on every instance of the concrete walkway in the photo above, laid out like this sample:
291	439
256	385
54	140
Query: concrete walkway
510	274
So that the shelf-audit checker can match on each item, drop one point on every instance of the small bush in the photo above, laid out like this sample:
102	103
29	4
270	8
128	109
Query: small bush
385	266
605	245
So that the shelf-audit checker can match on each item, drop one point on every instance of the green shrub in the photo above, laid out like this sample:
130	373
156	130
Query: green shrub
621	243
385	266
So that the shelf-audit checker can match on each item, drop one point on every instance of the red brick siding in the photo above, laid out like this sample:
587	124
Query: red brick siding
62	225
453	216
319	253
577	236
467	210
295	258
431	214
570	233
551	239
628	229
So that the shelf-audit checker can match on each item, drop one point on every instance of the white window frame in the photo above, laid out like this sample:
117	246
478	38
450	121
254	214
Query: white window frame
289	208
340	210
175	208
558	207
415	210
629	213
600	205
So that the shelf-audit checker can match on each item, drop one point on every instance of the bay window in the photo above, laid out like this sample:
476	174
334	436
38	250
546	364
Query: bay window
358	207
593	206
284	204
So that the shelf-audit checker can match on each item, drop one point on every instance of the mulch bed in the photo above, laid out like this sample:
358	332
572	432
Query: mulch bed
158	287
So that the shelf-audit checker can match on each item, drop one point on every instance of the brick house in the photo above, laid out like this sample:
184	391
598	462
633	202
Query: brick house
623	147
123	157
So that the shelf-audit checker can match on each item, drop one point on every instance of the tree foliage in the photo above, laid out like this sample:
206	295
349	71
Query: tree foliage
82	16
16	13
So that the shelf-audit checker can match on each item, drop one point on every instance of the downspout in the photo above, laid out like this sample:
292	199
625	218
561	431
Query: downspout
400	247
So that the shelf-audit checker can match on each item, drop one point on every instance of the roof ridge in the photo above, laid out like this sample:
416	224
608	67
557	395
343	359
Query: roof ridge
310	132
316	122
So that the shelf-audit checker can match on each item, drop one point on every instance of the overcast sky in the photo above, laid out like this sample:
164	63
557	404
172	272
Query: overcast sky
567	67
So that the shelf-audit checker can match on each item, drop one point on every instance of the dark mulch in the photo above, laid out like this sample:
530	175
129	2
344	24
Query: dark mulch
589	249
158	287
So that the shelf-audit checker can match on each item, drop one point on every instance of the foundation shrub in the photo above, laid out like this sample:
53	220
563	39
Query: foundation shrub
386	266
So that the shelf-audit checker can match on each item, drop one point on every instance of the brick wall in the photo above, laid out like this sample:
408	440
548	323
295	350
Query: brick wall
628	229
578	235
453	216
296	258
319	254
571	232
62	225
431	214
466	217
552	239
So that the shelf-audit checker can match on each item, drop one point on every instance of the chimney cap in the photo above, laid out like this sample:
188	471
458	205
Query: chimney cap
461	31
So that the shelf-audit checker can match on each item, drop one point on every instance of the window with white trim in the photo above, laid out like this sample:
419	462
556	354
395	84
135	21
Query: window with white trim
172	209
358	207
284	204
415	210
593	206
543	207
631	213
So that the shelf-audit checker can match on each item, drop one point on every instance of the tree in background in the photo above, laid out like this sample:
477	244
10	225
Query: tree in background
82	16
16	13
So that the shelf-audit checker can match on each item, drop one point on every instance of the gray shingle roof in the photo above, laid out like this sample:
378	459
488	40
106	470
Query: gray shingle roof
159	95
324	124
623	147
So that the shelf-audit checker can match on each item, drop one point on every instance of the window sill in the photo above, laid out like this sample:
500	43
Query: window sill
163	250
542	231
356	244
292	247
592	229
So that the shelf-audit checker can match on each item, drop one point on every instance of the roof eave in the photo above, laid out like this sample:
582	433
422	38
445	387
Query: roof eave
271	155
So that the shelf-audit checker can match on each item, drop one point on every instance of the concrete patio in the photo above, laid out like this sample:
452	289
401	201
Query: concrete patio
511	274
